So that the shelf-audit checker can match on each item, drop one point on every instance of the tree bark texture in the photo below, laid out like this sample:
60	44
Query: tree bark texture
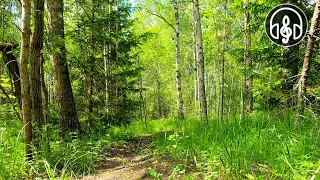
302	86
25	89
247	60
178	72
202	90
13	68
67	107
35	61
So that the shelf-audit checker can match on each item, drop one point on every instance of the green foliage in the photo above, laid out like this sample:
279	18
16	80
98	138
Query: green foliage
271	143
88	41
154	174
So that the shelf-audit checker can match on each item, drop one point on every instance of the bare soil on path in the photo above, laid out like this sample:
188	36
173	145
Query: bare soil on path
130	161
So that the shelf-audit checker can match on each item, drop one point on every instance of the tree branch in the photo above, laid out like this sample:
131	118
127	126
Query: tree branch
161	17
18	27
4	46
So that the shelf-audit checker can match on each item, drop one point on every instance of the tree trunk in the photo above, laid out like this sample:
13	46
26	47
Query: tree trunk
45	93
36	47
45	102
67	107
232	89
202	90
247	60
107	63
178	73
195	67
25	89
13	68
158	92
302	86
90	108
142	99
223	61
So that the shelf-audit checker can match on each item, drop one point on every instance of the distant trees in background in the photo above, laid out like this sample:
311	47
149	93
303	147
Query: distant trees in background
244	72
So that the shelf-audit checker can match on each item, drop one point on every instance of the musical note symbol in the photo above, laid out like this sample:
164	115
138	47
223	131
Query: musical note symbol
286	25
285	31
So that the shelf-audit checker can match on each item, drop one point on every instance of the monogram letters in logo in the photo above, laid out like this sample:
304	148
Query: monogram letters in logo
286	25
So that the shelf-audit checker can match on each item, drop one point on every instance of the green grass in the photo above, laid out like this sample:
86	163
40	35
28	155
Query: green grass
261	146
64	160
11	149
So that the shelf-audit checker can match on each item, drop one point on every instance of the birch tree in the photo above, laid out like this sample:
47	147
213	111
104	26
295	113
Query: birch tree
176	28
202	90
178	72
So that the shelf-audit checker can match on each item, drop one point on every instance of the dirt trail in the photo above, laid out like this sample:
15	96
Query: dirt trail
130	162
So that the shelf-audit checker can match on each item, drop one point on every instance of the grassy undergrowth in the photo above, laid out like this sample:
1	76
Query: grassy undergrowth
63	160
11	149
261	146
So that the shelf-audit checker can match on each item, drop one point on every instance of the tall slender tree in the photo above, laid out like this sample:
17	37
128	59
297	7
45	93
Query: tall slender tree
176	29
195	68
223	60
107	59
35	61
67	107
178	71
202	89
247	60
92	58
24	75
302	86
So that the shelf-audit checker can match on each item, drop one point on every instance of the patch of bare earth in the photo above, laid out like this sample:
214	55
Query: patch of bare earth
130	162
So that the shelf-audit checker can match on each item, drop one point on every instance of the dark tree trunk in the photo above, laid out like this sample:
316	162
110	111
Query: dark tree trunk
67	107
36	47
90	108
11	62
45	93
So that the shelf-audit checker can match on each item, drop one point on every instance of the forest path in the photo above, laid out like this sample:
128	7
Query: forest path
130	161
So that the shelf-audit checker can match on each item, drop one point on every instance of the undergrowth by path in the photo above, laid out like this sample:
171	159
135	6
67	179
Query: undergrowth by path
263	146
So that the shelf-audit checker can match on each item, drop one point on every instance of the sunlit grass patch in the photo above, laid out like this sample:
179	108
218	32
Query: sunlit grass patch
11	149
261	146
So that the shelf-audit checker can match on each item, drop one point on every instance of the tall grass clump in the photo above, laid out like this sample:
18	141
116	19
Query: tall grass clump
11	149
64	159
263	145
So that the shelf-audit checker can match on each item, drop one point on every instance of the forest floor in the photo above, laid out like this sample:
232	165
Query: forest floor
133	160
261	147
